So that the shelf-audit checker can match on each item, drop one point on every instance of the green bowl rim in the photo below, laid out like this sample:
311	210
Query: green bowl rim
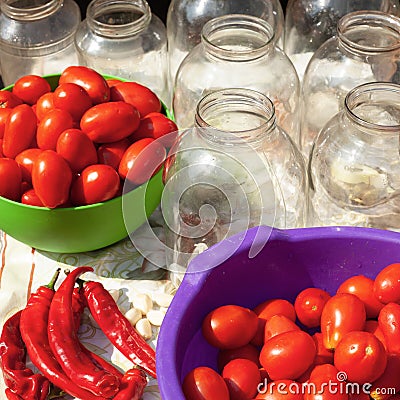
168	114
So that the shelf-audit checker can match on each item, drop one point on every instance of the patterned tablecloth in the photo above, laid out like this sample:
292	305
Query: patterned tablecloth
120	267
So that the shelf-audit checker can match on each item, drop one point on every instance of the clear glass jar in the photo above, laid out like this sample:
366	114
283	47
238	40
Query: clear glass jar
37	37
309	23
366	49
238	51
124	39
355	163
186	18
234	170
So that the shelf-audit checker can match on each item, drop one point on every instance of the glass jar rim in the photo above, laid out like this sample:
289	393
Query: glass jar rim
359	18
245	97
232	22
33	13
352	100
98	7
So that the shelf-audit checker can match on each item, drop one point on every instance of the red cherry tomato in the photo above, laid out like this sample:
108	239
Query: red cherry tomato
9	99
288	355
73	99
342	313
77	149
372	326
111	153
97	183
1	148
113	82
324	356
387	284
51	179
141	161
359	396
31	198
10	179
305	377
19	131
248	351
361	356
281	389
110	122
204	383
363	287
138	95
242	378
278	324
44	104
154	125
25	159
4	113
30	87
389	381
266	310
389	322
229	327
50	128
309	304
324	384
90	80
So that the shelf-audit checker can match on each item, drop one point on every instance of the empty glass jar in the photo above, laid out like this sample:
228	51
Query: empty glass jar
238	51
366	49
355	163
309	23
186	19
37	37
123	38
234	170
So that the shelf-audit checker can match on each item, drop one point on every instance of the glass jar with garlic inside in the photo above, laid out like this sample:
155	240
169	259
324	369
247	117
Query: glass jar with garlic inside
355	164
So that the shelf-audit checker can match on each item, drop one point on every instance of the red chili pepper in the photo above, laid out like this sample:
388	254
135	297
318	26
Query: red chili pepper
21	380
117	328
12	396
133	383
33	326
66	347
78	306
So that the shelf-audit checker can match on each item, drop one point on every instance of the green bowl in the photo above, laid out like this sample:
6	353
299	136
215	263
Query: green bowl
80	229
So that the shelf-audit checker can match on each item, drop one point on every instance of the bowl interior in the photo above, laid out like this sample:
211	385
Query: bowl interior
290	261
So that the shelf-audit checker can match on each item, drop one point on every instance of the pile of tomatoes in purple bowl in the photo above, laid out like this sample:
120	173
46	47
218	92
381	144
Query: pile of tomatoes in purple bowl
320	347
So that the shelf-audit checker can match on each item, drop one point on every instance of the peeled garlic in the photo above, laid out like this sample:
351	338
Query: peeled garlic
144	328
155	317
133	315
143	303
163	299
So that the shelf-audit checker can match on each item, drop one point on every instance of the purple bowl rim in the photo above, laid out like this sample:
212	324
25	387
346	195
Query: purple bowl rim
192	283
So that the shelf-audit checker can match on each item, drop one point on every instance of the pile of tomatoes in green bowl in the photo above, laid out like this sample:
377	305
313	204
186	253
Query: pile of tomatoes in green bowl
321	347
67	144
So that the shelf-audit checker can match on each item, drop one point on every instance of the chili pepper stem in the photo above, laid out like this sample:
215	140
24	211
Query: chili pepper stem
54	279
80	282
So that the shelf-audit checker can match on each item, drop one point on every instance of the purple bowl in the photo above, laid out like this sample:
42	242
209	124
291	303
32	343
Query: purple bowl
290	261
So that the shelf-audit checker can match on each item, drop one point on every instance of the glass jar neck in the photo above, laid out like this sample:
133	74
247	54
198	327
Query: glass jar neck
29	10
369	32
237	116
375	108
118	18
237	37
